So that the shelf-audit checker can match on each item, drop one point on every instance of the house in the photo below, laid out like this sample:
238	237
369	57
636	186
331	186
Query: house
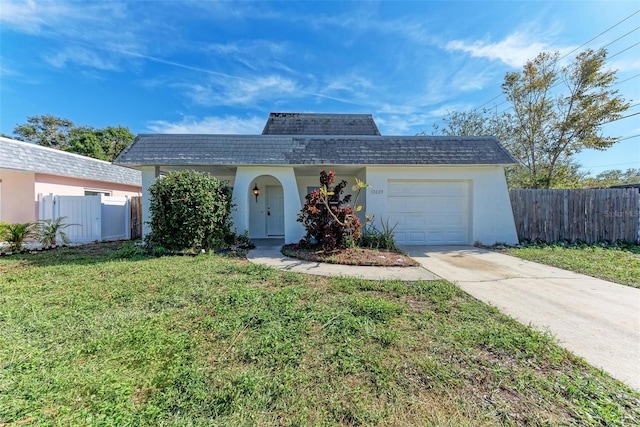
435	190
27	170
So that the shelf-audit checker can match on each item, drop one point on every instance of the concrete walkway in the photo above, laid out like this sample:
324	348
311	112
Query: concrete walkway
593	318
267	252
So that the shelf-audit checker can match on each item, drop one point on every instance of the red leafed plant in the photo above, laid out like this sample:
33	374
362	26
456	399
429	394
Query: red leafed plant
328	217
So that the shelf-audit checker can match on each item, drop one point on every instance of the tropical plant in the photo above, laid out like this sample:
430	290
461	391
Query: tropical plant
329	219
50	229
381	239
190	210
16	234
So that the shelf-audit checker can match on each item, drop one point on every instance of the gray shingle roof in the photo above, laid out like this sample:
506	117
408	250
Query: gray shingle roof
23	156
167	149
320	124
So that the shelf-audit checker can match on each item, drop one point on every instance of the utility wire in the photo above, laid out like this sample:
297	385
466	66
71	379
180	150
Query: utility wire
624	50
620	118
604	32
584	44
621	37
629	137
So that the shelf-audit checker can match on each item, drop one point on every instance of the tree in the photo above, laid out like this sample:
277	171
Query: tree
47	130
104	144
62	134
555	113
613	177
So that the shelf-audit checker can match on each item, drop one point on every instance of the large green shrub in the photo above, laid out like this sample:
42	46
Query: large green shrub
190	210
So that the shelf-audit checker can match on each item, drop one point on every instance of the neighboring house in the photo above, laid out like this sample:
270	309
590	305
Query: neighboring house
27	170
434	190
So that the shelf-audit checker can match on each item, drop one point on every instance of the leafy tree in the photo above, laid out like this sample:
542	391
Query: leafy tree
329	218
103	144
62	134
190	210
613	177
47	130
556	112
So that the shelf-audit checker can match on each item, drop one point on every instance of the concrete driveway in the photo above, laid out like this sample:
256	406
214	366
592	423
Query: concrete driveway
593	318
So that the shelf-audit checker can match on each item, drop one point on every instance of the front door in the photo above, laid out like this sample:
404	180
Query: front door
275	211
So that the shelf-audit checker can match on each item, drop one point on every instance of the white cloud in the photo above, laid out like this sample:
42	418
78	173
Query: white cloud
253	54
209	125
36	17
241	91
514	50
95	35
83	57
623	65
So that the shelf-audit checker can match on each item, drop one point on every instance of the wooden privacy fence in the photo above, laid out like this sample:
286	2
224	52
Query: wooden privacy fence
589	216
136	217
96	217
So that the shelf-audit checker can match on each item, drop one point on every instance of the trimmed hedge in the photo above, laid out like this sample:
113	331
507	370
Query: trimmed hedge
190	210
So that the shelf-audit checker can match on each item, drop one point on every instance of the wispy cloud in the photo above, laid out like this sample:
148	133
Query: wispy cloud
83	57
82	31
513	50
209	125
240	91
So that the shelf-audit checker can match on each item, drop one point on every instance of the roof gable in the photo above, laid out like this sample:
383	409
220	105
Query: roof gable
23	156
320	124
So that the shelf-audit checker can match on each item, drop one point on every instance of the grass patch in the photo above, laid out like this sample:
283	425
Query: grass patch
616	263
100	335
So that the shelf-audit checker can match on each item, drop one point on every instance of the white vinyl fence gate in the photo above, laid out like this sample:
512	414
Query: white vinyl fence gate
96	217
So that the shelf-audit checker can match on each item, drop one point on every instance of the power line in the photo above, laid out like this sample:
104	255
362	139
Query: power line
626	80
604	32
584	44
620	118
624	50
621	37
629	137
614	164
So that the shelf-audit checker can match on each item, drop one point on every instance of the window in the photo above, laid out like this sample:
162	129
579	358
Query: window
97	192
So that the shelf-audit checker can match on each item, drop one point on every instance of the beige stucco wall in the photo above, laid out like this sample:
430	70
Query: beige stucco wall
65	186
17	197
19	192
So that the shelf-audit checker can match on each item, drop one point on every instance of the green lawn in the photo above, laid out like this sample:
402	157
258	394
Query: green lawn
99	336
619	264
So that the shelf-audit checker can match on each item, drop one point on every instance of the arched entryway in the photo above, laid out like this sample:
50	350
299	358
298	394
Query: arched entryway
266	211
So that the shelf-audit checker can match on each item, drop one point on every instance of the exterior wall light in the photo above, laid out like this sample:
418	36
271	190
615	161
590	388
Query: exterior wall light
256	192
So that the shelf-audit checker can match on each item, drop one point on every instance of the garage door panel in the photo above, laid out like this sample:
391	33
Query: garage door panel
429	212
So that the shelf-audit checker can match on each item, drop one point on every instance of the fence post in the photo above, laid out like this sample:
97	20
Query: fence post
127	219
638	217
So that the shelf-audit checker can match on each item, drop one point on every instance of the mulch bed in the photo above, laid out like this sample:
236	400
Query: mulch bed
350	256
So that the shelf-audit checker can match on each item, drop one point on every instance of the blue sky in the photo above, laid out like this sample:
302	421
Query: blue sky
221	67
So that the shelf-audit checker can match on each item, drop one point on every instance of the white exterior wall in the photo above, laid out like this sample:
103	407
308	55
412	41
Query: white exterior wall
243	198
149	174
490	210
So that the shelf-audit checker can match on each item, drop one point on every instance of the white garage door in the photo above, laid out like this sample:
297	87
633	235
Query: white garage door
429	212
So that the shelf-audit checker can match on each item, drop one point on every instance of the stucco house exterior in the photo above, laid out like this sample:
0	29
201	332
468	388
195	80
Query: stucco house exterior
27	170
435	190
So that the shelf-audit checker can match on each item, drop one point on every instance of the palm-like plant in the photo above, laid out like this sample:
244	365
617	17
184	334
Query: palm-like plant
50	229
16	234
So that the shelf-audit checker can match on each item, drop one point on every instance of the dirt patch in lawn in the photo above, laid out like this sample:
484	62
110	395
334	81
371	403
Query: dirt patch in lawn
350	256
